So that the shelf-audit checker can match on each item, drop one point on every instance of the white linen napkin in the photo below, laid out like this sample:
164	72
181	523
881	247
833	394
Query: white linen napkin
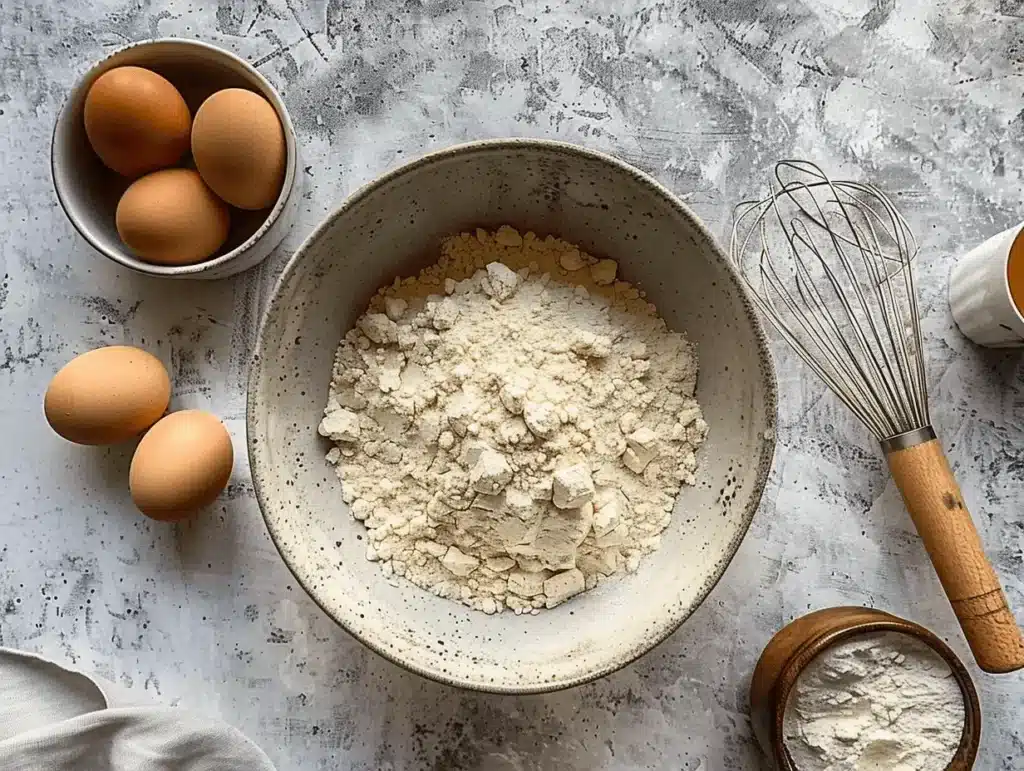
56	719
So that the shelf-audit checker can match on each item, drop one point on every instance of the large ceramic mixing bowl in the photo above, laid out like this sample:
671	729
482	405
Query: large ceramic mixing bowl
393	227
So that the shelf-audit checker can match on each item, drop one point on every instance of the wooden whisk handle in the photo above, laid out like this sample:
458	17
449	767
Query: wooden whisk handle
935	504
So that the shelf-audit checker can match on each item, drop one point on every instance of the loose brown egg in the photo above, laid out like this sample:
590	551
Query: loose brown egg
171	217
181	465
107	395
136	121
238	146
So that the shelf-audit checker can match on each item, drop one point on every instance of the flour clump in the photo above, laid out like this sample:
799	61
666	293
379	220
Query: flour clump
512	425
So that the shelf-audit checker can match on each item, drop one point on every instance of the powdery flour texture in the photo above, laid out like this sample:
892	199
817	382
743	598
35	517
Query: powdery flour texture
879	702
513	425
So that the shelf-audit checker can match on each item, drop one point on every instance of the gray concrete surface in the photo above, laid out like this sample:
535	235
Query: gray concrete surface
923	98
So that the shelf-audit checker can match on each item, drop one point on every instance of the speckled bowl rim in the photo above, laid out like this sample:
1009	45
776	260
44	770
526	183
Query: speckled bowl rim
126	259
767	369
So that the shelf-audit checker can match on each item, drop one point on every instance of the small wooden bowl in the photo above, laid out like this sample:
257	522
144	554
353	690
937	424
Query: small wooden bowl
796	644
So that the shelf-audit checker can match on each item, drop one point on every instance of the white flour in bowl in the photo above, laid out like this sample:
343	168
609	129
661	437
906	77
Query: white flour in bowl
513	425
878	702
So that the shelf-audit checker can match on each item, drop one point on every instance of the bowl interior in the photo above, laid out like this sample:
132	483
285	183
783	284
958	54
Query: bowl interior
394	227
89	191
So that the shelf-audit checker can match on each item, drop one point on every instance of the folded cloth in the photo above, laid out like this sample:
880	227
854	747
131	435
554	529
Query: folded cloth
56	719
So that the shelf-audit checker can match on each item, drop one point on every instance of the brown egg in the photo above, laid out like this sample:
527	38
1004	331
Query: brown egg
171	217
136	121
238	147
107	395
181	465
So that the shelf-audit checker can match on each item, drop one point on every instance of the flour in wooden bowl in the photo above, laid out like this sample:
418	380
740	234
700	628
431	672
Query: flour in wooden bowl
513	425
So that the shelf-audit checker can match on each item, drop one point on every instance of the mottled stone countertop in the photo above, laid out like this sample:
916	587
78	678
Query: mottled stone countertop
924	98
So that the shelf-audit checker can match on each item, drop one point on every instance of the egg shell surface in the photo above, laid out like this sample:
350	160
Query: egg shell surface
181	465
239	148
171	217
136	121
107	395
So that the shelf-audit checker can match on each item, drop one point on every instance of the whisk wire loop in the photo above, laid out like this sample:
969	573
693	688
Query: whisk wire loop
829	264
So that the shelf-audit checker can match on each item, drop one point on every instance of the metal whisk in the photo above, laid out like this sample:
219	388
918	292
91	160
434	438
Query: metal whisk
830	265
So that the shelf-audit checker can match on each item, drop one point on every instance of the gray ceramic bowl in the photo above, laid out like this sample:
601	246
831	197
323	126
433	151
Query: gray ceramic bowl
394	227
89	192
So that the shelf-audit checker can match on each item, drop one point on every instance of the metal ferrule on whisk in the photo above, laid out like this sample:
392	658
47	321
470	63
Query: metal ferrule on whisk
908	439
